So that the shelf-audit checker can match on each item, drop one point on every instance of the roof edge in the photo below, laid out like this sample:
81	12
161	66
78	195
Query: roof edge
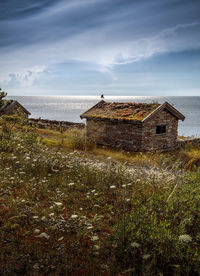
167	106
82	116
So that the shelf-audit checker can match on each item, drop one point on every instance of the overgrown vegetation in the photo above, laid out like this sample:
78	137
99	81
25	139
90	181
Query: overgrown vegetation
69	212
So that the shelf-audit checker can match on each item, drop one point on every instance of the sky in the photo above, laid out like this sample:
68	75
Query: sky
93	47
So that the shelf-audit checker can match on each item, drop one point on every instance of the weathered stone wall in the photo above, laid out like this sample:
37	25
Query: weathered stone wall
181	143
114	134
135	137
53	124
153	141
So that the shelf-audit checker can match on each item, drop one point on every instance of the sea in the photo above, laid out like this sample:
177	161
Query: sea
69	108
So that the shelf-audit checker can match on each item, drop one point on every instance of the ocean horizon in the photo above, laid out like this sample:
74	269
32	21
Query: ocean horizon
69	108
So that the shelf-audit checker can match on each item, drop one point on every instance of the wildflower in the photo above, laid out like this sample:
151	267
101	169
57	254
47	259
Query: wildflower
90	227
128	199
185	238
109	158
37	231
94	238
73	216
135	244
123	185
61	238
43	218
51	214
112	187
35	217
58	203
71	184
43	235
96	247
145	257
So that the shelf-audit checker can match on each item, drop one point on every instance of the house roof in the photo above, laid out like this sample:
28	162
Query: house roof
9	104
131	112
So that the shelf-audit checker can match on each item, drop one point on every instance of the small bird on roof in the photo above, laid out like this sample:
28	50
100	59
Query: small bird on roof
102	96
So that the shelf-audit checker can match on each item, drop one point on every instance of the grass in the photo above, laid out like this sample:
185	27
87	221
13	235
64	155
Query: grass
79	212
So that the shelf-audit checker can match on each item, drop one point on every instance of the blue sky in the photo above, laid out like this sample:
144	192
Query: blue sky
89	47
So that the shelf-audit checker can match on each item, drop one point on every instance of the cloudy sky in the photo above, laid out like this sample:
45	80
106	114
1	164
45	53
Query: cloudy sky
89	47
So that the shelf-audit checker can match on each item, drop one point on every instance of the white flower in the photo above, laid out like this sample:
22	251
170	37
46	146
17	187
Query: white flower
43	235
60	239
70	184
37	231
145	257
135	244
90	227
112	187
94	238
123	185
185	238
58	203
35	217
51	215
96	247
74	216
128	199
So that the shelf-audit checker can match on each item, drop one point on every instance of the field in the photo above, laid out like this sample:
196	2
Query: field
70	208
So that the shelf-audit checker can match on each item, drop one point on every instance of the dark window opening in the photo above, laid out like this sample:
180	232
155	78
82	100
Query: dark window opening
160	129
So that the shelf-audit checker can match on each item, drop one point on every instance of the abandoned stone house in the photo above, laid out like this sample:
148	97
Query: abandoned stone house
11	107
133	126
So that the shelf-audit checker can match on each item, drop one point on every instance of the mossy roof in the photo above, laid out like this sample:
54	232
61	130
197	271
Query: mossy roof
129	111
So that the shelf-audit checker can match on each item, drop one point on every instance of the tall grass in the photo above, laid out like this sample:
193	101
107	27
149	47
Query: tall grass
69	213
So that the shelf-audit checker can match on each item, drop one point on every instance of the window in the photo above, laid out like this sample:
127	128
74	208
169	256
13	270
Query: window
160	129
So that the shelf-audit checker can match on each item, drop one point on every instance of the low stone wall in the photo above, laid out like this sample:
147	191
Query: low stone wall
188	141
53	124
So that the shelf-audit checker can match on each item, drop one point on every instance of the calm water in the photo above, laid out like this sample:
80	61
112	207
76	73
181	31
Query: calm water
69	108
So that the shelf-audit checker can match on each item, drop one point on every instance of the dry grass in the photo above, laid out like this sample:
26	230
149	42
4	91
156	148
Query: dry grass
187	158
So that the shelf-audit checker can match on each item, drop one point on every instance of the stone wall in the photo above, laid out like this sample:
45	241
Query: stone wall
153	141
181	143
114	134
53	124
